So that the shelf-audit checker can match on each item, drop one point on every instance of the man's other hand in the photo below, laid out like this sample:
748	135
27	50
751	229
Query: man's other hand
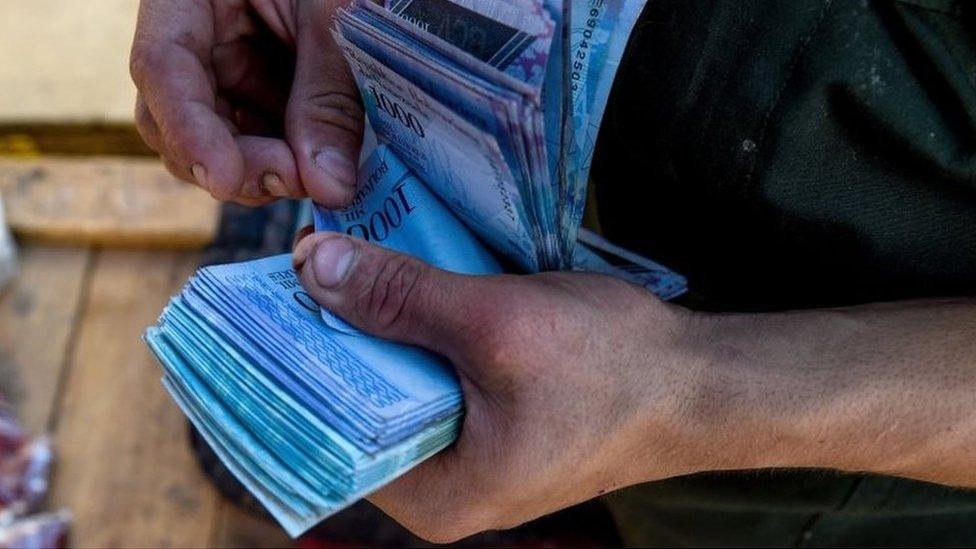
578	384
566	377
250	99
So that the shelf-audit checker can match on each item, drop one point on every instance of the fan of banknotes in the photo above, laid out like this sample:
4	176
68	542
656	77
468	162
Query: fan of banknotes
483	116
495	104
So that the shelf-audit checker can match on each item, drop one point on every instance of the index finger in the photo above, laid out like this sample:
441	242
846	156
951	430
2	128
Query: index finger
170	64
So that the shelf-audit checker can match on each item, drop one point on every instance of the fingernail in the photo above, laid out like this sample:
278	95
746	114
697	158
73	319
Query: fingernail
199	174
332	260
303	248
299	257
274	185
337	165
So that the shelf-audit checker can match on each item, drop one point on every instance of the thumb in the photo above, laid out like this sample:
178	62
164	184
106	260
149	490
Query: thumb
388	294
324	119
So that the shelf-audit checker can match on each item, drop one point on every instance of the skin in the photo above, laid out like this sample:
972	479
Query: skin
575	384
250	99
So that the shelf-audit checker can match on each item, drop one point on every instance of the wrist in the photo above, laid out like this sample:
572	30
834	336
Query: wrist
692	398
830	389
744	402
726	392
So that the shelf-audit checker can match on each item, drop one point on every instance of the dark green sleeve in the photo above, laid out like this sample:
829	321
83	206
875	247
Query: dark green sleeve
797	154
792	154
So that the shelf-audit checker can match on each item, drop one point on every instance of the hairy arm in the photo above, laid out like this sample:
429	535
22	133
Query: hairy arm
577	384
887	389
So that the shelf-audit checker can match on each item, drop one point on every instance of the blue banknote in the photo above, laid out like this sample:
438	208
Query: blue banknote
473	98
598	34
513	37
597	254
396	210
309	418
529	78
459	161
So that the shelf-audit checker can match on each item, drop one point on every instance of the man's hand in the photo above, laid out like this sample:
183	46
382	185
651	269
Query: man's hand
578	384
250	99
566	378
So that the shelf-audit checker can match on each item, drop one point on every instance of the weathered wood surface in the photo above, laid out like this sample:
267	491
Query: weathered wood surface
38	314
72	361
125	469
110	202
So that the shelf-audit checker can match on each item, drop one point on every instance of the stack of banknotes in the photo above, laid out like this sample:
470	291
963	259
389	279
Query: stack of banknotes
495	104
468	170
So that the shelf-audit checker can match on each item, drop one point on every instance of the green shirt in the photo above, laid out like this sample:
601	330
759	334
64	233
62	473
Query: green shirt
797	154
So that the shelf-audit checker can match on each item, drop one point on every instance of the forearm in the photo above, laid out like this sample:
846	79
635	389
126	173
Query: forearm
887	389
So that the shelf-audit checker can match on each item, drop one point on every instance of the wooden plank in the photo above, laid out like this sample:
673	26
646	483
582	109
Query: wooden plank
238	528
66	61
110	202
37	313
30	140
125	468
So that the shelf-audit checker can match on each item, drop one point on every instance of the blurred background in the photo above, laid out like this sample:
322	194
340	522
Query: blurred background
104	236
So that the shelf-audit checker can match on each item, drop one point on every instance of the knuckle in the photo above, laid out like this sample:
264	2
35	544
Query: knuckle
143	118
143	62
495	336
388	299
146	125
176	170
179	141
338	109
